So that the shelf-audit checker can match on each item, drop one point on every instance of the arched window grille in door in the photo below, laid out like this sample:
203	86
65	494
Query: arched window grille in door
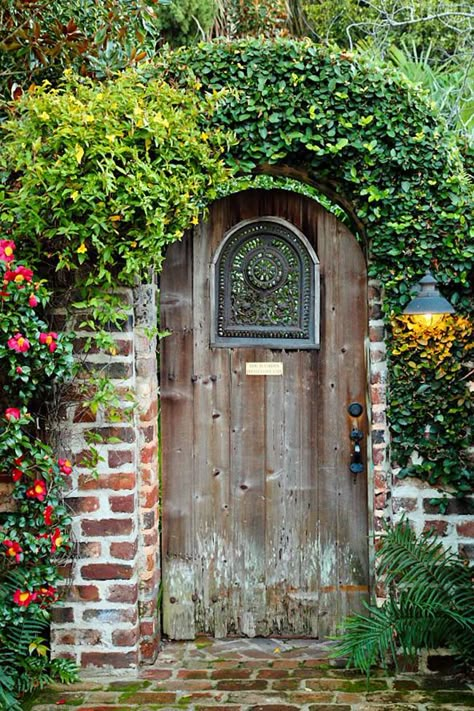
265	287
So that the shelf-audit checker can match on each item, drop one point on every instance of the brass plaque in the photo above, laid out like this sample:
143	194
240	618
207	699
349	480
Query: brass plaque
263	368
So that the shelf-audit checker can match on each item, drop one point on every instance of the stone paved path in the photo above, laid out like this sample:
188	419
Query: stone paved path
255	675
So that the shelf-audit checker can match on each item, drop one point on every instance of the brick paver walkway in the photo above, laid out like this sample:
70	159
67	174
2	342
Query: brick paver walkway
256	675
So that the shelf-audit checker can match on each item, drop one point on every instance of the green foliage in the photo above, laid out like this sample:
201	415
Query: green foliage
102	177
390	22
431	408
251	18
183	22
429	604
38	40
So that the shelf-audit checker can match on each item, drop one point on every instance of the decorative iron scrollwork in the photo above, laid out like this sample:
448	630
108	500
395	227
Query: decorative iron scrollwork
265	284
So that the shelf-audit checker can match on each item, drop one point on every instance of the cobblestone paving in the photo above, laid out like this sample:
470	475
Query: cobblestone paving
255	675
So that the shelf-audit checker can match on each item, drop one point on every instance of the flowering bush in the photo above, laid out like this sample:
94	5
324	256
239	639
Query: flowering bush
35	536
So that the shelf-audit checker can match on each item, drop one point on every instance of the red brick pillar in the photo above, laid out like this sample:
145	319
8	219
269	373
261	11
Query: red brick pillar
109	617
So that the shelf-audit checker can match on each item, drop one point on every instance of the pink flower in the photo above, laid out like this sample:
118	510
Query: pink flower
65	466
18	343
19	370
12	413
48	339
19	275
7	247
33	300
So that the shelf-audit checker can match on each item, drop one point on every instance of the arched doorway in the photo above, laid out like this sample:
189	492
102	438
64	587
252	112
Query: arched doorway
265	528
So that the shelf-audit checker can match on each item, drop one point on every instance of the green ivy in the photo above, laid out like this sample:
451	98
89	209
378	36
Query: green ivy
365	136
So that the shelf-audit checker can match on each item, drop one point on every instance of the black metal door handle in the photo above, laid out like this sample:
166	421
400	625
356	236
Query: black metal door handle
356	465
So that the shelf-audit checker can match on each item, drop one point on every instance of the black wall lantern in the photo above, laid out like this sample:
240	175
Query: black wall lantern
429	304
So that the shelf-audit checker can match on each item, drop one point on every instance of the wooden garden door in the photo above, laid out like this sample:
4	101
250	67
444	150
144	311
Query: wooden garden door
264	525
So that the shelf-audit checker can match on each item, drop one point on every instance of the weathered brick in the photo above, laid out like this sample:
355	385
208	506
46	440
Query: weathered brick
438	527
83	504
107	527
148	433
122	504
62	615
148	454
466	529
149	499
90	550
115	660
123	593
85	592
111	617
123	550
106	571
150	413
147	629
231	674
404	504
125	638
119	457
116	482
241	684
149	519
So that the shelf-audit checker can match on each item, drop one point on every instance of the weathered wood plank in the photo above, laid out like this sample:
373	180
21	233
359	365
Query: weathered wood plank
248	494
177	435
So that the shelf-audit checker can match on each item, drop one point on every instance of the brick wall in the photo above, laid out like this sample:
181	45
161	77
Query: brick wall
109	617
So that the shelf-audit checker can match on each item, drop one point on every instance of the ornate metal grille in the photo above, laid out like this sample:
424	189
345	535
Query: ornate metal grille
265	287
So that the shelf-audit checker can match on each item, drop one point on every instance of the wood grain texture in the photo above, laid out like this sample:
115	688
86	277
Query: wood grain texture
265	529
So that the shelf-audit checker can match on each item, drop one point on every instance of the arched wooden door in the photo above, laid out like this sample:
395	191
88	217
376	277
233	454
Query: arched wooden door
264	526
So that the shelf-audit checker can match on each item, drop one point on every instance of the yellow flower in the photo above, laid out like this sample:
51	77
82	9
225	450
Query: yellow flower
81	249
195	220
204	136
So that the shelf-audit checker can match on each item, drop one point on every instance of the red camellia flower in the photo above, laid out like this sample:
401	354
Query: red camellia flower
14	550
19	275
23	598
49	339
65	466
16	474
18	343
37	491
56	540
33	300
46	592
48	514
12	413
7	247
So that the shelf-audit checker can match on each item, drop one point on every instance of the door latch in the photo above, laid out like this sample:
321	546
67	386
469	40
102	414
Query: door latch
356	465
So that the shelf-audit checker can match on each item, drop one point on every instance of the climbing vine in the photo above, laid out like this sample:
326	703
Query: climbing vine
101	178
34	538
